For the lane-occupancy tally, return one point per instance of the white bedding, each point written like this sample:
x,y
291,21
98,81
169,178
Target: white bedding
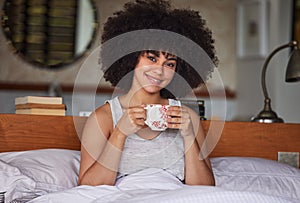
x,y
50,175
155,185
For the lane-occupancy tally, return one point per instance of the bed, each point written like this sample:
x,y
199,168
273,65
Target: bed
x,y
39,162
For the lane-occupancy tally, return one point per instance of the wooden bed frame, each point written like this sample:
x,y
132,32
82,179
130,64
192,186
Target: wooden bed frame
x,y
27,132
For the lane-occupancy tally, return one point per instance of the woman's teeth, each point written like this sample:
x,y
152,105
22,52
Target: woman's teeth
x,y
153,80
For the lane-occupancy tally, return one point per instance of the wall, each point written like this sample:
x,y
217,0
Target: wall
x,y
285,96
220,16
240,75
12,69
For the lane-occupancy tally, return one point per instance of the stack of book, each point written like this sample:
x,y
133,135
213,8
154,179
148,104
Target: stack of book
x,y
40,105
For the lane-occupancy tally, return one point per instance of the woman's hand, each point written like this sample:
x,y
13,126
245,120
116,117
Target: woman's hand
x,y
133,119
179,118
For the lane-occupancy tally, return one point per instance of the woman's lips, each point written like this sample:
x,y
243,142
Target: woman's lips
x,y
153,80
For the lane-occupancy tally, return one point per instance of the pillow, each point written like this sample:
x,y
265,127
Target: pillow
x,y
37,172
257,175
13,182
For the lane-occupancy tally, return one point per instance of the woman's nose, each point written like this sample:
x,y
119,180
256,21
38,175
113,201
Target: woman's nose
x,y
158,69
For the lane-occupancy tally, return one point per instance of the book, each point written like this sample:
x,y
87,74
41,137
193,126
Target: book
x,y
38,100
35,111
40,106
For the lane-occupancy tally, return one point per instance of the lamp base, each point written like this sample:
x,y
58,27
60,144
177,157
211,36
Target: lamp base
x,y
267,116
267,120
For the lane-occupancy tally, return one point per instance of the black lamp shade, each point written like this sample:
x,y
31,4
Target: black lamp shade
x,y
293,67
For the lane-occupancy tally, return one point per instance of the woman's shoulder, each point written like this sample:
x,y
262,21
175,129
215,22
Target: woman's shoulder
x,y
103,111
102,118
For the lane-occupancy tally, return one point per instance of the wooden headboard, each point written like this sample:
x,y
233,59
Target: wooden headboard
x,y
27,132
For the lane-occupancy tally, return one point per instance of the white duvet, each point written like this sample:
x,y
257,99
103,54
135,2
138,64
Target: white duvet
x,y
50,175
156,185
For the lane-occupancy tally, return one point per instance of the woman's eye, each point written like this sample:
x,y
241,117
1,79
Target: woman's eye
x,y
171,65
151,58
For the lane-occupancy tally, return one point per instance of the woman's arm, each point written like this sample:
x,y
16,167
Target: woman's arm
x,y
97,166
198,169
102,145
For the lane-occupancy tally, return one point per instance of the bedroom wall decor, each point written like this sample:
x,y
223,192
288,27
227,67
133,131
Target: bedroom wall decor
x,y
252,28
49,34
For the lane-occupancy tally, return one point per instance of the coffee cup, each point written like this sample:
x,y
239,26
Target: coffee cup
x,y
157,118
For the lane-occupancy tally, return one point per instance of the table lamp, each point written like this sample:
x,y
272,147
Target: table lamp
x,y
267,115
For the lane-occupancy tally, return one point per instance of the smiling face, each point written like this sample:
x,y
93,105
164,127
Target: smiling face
x,y
154,71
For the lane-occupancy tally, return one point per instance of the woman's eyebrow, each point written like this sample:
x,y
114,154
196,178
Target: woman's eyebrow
x,y
172,58
156,53
167,55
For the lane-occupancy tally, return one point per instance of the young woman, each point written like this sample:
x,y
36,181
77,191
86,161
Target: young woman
x,y
116,142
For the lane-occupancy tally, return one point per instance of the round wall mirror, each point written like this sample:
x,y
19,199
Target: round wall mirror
x,y
50,33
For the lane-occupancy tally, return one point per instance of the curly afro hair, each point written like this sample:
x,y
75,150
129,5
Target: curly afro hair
x,y
158,14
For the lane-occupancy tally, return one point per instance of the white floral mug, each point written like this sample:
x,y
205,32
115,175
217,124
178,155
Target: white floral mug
x,y
157,118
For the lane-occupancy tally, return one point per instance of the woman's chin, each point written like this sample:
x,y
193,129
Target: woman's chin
x,y
152,89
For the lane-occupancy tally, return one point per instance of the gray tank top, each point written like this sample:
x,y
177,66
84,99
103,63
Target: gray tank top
x,y
166,151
